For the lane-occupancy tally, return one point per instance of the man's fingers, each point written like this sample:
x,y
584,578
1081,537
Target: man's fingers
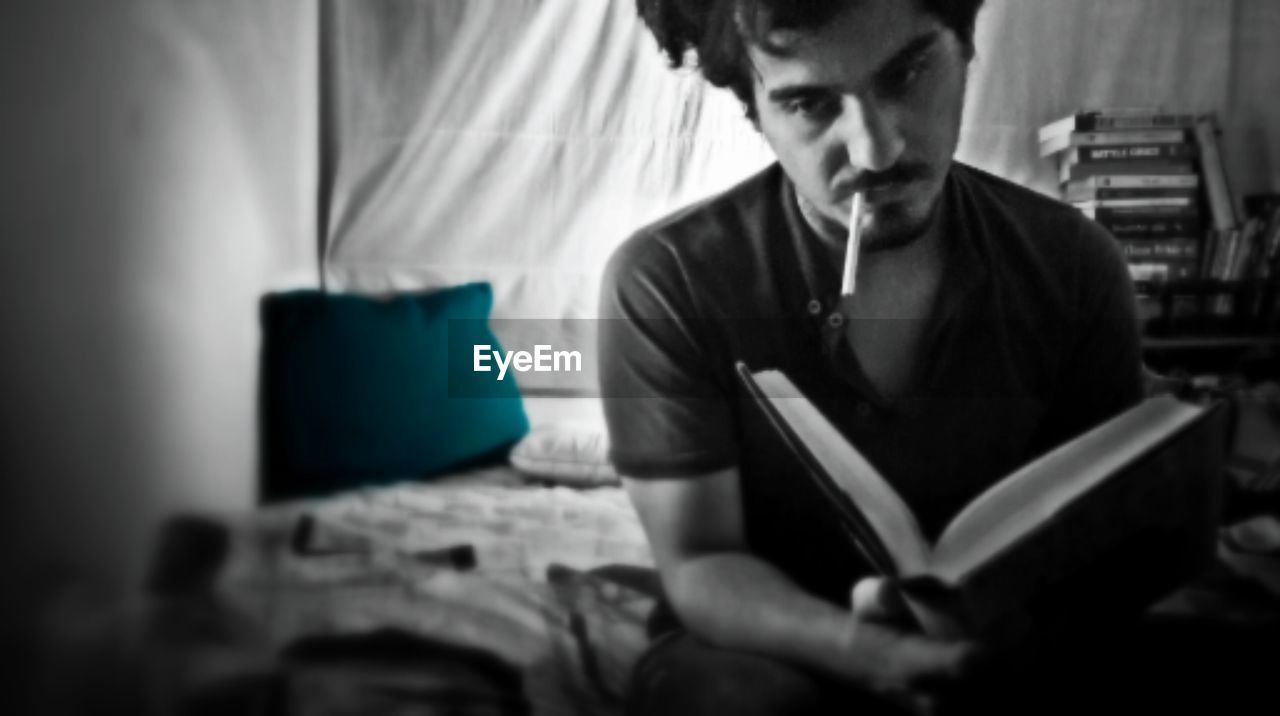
x,y
877,599
923,705
914,661
934,662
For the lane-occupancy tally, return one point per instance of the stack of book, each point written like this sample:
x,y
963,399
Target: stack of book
x,y
1141,174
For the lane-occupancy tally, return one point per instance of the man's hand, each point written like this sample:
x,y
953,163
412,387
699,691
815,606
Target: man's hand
x,y
888,655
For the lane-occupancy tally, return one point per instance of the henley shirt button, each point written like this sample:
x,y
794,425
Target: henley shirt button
x,y
835,320
815,307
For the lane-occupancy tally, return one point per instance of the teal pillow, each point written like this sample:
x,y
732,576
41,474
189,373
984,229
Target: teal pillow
x,y
359,390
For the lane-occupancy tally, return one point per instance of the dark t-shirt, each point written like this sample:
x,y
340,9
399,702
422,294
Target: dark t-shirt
x,y
1032,340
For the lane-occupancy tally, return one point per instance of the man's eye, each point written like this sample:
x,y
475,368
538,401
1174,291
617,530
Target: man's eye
x,y
904,77
811,107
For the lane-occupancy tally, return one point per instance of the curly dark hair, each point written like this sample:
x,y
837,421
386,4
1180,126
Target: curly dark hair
x,y
713,34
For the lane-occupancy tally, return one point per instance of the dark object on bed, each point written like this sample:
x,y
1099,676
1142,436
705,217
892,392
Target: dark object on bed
x,y
313,538
394,672
358,390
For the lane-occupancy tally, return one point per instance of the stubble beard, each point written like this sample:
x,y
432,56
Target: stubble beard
x,y
891,226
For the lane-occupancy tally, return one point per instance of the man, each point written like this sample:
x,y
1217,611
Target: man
x,y
988,325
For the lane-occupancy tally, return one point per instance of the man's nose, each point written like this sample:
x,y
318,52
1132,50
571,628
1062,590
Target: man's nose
x,y
870,135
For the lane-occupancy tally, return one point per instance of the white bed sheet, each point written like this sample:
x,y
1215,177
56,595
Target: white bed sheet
x,y
506,605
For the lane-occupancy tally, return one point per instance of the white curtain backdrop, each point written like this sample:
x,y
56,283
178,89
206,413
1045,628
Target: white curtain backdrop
x,y
514,141
1041,59
518,141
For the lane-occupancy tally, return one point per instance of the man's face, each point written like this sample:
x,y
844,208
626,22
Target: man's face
x,y
869,102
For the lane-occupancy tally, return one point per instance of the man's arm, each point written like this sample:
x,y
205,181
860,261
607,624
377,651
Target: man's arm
x,y
734,600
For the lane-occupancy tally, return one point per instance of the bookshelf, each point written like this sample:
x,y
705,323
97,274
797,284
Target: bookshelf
x,y
1210,308
1230,342
1207,276
1212,326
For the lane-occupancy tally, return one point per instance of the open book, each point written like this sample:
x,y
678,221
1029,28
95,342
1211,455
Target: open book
x,y
1111,521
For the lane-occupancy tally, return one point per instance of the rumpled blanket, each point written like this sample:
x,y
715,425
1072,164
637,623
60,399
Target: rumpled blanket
x,y
555,582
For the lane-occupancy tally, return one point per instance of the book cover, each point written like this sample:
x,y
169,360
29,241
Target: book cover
x,y
1132,504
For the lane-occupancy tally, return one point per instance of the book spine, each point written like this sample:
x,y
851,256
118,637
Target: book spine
x,y
1241,266
1156,202
1227,244
1108,215
1272,243
1075,171
1138,181
1105,192
1150,227
1163,271
1160,249
1221,206
1098,139
1141,136
1100,121
1209,252
1132,152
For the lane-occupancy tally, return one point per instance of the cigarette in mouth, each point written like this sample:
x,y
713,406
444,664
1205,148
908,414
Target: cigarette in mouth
x,y
849,284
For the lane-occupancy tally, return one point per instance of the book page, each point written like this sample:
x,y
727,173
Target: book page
x,y
883,508
1035,493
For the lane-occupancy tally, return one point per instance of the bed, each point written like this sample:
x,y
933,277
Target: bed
x,y
520,585
551,584
424,543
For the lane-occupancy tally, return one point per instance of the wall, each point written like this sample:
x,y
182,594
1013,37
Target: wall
x,y
1251,127
158,164
1043,59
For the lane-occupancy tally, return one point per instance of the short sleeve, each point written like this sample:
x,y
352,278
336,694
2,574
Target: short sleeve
x,y
667,414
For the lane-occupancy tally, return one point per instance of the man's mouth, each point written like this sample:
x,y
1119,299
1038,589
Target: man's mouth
x,y
882,193
892,191
891,185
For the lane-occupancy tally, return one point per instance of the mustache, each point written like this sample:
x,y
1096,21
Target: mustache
x,y
896,174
